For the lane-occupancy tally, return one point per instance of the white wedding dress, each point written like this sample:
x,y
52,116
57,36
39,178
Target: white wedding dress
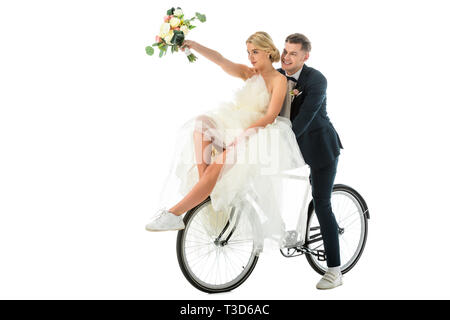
x,y
253,170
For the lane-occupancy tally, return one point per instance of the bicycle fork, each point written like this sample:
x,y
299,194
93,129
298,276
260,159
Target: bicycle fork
x,y
218,241
233,225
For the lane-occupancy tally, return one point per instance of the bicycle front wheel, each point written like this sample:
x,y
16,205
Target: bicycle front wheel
x,y
351,214
213,253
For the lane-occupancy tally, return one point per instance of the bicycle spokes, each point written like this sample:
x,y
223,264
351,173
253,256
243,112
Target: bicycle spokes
x,y
349,212
216,252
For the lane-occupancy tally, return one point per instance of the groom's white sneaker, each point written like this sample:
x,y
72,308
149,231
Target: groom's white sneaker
x,y
330,280
165,221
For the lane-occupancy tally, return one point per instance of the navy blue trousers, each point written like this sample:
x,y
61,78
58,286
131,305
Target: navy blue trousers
x,y
322,180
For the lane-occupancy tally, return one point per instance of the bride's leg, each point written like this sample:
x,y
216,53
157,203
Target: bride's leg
x,y
203,188
201,144
204,132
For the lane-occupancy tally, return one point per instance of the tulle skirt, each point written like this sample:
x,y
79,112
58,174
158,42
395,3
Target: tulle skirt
x,y
250,177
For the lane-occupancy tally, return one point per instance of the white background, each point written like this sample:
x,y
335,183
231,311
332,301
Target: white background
x,y
87,122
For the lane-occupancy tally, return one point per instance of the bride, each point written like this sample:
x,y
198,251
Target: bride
x,y
237,148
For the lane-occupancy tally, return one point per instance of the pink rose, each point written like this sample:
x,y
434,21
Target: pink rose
x,y
166,19
177,28
158,39
295,93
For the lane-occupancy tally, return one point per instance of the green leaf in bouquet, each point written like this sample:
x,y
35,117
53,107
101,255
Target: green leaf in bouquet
x,y
192,58
170,11
149,50
200,17
161,52
172,48
178,37
191,27
155,44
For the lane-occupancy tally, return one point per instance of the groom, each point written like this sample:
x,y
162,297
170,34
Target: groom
x,y
318,141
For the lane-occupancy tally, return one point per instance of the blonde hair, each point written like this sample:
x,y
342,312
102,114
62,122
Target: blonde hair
x,y
263,41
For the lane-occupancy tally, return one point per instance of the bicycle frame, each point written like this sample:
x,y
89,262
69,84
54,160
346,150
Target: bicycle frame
x,y
301,222
303,214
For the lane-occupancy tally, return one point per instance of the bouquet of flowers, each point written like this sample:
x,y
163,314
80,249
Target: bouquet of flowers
x,y
173,31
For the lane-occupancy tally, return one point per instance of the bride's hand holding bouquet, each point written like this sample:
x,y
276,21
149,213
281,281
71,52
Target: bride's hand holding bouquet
x,y
173,31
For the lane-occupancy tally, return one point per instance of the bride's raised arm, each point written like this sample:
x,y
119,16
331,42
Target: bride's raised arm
x,y
234,69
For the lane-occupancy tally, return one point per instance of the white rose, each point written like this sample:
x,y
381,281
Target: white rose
x,y
185,29
168,37
178,13
164,30
175,22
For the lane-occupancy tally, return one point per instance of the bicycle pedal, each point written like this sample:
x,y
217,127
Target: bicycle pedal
x,y
321,256
290,239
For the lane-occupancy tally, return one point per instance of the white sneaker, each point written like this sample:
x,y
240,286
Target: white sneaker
x,y
330,280
165,221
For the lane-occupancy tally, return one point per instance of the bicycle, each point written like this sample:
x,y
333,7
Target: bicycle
x,y
214,258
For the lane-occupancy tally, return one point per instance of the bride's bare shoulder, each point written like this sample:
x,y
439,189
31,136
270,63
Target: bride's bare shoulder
x,y
279,77
276,80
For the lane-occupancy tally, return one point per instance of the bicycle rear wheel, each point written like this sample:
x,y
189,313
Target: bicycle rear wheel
x,y
351,214
212,252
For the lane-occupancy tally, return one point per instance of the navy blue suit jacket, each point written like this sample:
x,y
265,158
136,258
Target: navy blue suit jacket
x,y
318,140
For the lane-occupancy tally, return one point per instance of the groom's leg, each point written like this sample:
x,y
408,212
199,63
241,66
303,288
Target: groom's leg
x,y
322,181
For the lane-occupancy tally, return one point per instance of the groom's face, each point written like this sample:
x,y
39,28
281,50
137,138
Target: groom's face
x,y
293,57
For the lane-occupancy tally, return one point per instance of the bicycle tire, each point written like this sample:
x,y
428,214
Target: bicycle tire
x,y
185,270
341,187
